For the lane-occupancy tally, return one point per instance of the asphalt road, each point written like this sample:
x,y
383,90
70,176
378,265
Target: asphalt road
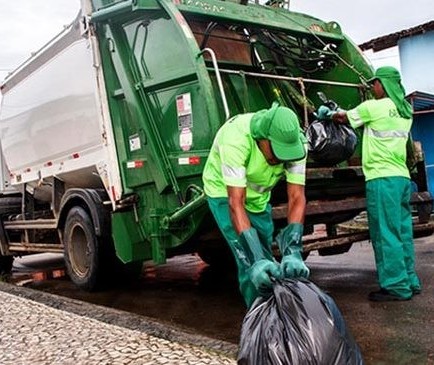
x,y
187,293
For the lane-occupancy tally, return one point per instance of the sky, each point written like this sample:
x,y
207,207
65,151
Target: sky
x,y
364,20
26,25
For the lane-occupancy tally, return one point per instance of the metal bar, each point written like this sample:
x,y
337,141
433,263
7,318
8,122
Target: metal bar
x,y
424,112
35,247
184,212
324,242
32,224
57,194
336,241
219,80
288,78
4,247
317,207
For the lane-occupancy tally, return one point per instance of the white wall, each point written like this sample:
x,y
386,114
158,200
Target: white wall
x,y
386,57
417,66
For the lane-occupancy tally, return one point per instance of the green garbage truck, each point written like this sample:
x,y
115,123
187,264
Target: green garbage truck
x,y
105,131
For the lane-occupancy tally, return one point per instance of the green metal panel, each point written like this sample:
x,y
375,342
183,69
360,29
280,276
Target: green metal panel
x,y
145,81
128,238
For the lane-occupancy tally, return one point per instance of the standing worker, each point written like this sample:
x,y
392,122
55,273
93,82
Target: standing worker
x,y
250,154
387,121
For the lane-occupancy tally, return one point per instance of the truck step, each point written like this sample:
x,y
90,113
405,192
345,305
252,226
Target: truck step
x,y
31,224
35,247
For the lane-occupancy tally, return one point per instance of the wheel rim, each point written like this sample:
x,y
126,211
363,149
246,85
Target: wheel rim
x,y
79,253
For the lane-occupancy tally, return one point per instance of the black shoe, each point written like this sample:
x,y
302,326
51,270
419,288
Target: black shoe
x,y
383,295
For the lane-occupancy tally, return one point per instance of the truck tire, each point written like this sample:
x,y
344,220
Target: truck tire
x,y
82,250
6,263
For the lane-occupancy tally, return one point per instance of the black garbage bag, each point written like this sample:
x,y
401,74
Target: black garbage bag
x,y
330,143
300,325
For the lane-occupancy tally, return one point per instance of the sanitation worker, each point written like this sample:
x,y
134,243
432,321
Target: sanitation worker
x,y
250,154
386,125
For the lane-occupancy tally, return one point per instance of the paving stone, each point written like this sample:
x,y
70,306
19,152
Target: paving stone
x,y
36,334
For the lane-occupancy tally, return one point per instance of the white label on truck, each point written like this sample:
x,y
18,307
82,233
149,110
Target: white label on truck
x,y
135,164
186,139
184,112
134,142
192,160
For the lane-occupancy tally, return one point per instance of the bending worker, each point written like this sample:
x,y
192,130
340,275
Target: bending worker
x,y
250,154
386,121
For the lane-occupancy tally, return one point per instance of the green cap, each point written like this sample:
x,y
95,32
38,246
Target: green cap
x,y
390,78
386,72
281,127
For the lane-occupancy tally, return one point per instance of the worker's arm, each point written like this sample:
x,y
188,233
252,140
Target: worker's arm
x,y
340,117
237,210
262,269
289,239
296,203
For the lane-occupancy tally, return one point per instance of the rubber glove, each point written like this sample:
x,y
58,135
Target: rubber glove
x,y
325,113
290,244
262,269
261,274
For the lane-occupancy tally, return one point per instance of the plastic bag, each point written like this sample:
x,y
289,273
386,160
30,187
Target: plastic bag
x,y
330,143
298,324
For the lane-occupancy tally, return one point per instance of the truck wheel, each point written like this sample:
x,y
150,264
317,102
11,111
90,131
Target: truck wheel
x,y
82,250
6,263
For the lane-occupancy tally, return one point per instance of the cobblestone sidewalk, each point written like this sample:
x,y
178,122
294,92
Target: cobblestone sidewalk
x,y
32,333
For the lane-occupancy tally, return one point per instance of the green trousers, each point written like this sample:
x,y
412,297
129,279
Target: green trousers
x,y
262,222
391,231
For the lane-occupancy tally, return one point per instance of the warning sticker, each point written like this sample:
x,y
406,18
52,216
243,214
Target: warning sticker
x,y
184,112
186,139
134,142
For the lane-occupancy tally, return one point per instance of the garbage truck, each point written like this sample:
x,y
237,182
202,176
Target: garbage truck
x,y
105,131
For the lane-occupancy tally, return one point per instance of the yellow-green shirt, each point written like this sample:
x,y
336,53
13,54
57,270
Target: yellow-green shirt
x,y
385,135
236,160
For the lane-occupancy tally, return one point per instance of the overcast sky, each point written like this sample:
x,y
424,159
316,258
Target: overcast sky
x,y
26,25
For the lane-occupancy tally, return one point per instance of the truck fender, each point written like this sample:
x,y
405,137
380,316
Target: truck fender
x,y
92,201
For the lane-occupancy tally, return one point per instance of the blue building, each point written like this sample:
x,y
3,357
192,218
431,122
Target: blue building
x,y
416,50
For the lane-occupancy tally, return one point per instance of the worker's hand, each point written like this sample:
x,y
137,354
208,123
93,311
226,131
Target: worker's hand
x,y
325,113
293,266
290,244
261,274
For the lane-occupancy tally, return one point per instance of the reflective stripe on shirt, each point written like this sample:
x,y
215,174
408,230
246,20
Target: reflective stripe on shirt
x,y
296,169
355,116
386,134
258,188
234,172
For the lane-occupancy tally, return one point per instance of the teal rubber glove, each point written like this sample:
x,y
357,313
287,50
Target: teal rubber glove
x,y
324,113
262,270
290,244
251,245
261,274
293,266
